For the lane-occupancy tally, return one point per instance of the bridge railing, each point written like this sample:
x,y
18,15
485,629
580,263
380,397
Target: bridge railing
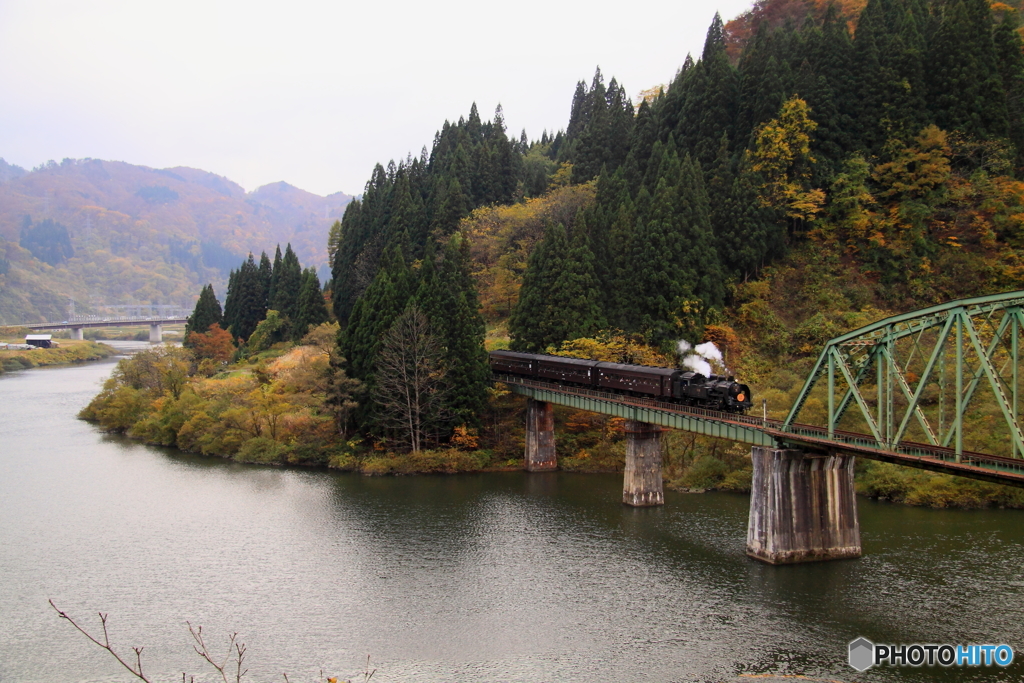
x,y
693,411
777,429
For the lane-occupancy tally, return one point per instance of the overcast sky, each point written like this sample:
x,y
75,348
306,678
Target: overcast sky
x,y
313,93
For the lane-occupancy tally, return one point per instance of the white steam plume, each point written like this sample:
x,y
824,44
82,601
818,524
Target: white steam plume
x,y
698,360
697,364
709,351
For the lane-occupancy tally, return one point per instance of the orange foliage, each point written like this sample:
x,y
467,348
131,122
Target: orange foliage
x,y
214,344
726,339
778,12
465,439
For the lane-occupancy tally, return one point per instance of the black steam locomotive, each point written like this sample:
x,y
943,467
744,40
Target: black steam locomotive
x,y
716,392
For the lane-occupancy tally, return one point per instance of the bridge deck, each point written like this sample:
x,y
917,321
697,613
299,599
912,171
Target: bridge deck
x,y
767,432
104,322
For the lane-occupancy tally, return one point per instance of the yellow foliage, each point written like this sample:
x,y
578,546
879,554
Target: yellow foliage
x,y
562,177
782,155
465,438
916,170
613,346
502,237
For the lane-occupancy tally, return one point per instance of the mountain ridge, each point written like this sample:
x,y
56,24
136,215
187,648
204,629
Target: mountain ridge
x,y
184,226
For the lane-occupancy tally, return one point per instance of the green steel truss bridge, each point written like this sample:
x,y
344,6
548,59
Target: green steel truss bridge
x,y
938,389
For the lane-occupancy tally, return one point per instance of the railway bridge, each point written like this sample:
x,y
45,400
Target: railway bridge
x,y
898,390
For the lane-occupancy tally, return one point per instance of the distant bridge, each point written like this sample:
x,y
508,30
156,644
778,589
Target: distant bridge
x,y
78,324
911,380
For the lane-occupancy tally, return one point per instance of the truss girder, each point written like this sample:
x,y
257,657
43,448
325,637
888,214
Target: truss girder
x,y
960,330
744,433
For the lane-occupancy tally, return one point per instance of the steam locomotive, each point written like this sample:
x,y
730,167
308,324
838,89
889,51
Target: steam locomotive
x,y
716,392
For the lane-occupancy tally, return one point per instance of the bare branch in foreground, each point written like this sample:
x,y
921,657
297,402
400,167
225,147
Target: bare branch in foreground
x,y
204,652
137,671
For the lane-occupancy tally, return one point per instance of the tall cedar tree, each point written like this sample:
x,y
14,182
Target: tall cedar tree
x,y
965,88
266,277
461,329
597,139
373,314
535,323
471,163
287,286
312,310
275,272
206,313
246,302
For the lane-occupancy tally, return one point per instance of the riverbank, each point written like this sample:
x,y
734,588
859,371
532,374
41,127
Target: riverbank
x,y
69,351
277,408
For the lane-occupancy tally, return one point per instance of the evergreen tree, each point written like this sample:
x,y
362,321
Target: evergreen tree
x,y
312,310
471,163
1010,55
275,273
375,311
714,99
759,85
530,325
247,297
286,289
206,313
576,300
462,329
231,302
657,292
965,88
748,235
698,256
618,285
266,277
641,142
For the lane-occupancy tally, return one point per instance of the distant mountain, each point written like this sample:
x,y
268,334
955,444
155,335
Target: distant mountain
x,y
115,233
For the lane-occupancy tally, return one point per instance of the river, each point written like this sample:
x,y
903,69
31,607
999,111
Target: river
x,y
491,577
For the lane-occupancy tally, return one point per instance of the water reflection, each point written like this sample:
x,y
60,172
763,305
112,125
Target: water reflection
x,y
504,577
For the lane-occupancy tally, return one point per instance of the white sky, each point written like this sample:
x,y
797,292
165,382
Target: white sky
x,y
313,93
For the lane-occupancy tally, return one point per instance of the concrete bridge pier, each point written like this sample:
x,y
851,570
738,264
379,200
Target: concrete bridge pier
x,y
540,436
641,483
76,333
803,507
156,333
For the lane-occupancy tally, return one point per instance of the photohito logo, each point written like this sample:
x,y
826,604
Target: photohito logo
x,y
864,654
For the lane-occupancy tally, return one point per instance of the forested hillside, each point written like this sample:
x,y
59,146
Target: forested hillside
x,y
816,168
817,165
110,232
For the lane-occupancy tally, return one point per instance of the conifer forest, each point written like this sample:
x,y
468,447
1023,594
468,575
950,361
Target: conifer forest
x,y
816,167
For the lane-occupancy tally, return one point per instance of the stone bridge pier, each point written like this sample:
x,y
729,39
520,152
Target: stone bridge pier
x,y
803,507
76,333
156,333
540,436
641,481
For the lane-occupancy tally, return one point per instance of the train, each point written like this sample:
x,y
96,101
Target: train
x,y
686,387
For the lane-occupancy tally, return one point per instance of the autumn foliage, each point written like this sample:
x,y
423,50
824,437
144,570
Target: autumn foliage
x,y
215,344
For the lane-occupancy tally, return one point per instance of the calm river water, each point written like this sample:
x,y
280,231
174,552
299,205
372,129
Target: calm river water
x,y
496,577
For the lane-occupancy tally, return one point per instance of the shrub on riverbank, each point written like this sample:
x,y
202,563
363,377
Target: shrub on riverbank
x,y
931,489
439,461
70,351
274,407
